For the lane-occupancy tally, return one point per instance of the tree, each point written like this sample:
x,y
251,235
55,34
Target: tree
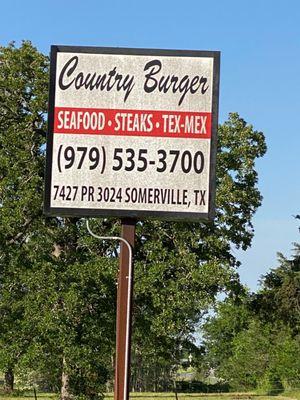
x,y
181,267
230,317
254,342
286,363
278,304
279,298
47,302
73,313
23,93
250,357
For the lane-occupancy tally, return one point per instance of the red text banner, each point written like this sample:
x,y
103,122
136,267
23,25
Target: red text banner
x,y
175,124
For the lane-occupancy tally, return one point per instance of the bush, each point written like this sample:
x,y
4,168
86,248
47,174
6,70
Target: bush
x,y
201,387
270,384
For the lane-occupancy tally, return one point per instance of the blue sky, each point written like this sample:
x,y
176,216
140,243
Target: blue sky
x,y
260,66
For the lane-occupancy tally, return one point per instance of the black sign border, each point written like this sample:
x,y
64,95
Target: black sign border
x,y
138,214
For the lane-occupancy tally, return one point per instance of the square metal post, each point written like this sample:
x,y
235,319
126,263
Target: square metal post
x,y
124,300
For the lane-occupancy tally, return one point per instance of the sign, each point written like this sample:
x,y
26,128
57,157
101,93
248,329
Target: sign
x,y
132,133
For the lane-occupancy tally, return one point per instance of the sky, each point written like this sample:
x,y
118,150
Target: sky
x,y
259,42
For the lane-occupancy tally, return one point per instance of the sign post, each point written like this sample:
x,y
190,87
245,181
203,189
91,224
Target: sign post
x,y
124,301
132,134
124,306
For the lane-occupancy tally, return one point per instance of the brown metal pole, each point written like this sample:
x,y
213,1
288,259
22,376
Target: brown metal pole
x,y
123,341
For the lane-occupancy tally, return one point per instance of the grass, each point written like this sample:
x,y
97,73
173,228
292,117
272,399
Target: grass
x,y
292,394
27,395
166,396
210,396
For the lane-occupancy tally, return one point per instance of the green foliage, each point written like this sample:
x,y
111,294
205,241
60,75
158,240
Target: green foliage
x,y
250,357
286,362
278,300
231,317
180,267
253,341
23,93
57,297
71,313
270,384
237,194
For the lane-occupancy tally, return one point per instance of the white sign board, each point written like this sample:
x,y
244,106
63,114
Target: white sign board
x,y
132,133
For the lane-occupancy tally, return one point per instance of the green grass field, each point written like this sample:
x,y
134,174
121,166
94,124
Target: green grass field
x,y
169,396
28,395
219,396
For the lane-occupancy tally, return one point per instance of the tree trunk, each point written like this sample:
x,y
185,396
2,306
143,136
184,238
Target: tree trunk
x,y
9,381
65,382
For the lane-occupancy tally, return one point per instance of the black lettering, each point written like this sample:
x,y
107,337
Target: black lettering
x,y
164,84
174,80
155,66
127,195
184,87
178,197
91,81
203,81
173,201
150,195
164,195
79,80
91,193
173,83
142,196
156,196
128,86
68,69
194,83
84,191
100,81
133,195
185,195
111,74
202,195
